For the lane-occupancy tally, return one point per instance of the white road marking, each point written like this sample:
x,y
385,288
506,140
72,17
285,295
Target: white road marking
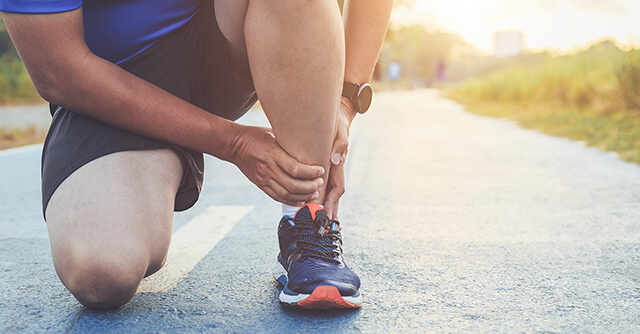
x,y
191,243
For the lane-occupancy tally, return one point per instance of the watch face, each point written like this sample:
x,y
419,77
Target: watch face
x,y
365,96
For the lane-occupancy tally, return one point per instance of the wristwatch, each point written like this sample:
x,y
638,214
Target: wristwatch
x,y
360,95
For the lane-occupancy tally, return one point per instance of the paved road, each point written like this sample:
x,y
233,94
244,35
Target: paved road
x,y
455,223
19,117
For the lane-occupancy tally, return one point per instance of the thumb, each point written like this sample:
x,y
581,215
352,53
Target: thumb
x,y
340,146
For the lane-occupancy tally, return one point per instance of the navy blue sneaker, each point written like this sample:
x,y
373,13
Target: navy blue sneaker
x,y
310,264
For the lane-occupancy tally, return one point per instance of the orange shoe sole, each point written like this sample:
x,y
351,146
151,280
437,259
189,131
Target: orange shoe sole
x,y
325,297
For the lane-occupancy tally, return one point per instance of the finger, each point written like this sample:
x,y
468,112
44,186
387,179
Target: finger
x,y
331,203
334,211
285,195
296,186
271,193
296,169
340,145
331,206
335,189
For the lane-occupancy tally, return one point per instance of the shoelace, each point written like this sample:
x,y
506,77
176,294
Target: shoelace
x,y
315,244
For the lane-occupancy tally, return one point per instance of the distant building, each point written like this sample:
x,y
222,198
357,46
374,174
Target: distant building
x,y
507,43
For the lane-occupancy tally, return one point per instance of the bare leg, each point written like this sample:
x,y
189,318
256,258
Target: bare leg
x,y
296,51
110,224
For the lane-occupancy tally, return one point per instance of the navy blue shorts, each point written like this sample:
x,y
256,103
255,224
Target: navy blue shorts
x,y
192,64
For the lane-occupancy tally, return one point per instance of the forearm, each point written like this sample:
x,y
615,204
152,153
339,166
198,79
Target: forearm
x,y
101,90
365,23
65,72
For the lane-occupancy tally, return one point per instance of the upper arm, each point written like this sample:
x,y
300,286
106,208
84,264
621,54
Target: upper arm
x,y
48,44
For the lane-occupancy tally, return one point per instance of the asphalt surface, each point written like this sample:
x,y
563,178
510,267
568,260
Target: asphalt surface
x,y
454,222
20,117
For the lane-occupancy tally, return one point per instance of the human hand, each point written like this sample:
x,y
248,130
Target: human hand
x,y
336,182
335,189
257,154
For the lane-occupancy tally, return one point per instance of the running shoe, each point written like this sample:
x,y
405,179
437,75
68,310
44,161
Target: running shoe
x,y
310,264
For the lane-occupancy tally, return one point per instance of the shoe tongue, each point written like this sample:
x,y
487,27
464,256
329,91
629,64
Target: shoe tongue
x,y
308,211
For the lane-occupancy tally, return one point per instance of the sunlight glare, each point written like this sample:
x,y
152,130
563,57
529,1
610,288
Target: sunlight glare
x,y
562,25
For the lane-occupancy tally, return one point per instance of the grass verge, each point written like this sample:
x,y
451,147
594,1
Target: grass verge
x,y
592,96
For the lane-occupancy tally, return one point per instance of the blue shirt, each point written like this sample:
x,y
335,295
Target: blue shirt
x,y
117,29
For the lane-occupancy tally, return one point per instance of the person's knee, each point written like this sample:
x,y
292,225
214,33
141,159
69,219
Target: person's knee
x,y
100,279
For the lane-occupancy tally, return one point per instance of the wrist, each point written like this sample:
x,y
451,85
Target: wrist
x,y
360,95
347,106
230,150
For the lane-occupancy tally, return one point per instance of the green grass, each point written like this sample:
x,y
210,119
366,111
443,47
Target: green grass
x,y
592,96
15,83
16,88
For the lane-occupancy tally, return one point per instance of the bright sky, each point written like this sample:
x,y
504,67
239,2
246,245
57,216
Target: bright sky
x,y
547,24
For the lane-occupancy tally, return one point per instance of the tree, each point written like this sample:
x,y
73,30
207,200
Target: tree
x,y
418,50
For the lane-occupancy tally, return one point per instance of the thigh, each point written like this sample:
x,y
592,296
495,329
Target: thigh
x,y
226,84
230,15
119,206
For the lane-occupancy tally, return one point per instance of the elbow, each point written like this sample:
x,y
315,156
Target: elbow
x,y
58,82
49,87
44,88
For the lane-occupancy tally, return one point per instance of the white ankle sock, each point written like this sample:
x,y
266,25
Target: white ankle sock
x,y
290,210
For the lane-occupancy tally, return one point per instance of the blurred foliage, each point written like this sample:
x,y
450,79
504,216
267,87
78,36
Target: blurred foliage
x,y
592,96
15,84
7,51
475,65
603,77
629,78
418,50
